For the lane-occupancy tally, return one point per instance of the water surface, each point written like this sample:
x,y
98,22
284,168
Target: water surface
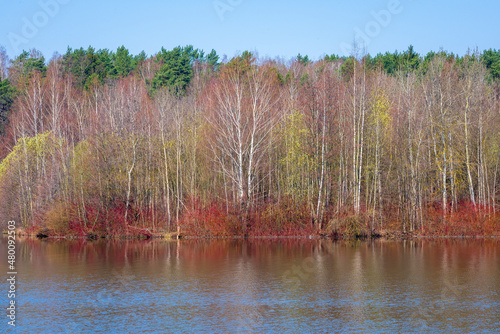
x,y
256,286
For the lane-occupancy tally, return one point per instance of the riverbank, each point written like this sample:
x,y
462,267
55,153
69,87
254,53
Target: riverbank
x,y
215,222
146,234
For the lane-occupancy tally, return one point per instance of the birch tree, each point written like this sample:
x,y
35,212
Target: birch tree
x,y
243,112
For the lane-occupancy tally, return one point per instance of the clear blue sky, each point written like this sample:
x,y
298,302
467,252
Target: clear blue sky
x,y
281,28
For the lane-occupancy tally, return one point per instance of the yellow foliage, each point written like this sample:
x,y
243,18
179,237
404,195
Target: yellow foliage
x,y
380,106
296,160
57,218
34,147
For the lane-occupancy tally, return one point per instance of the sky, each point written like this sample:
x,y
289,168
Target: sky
x,y
272,29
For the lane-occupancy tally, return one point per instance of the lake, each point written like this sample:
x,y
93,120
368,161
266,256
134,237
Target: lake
x,y
261,285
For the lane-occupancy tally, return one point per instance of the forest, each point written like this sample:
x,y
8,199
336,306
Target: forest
x,y
103,143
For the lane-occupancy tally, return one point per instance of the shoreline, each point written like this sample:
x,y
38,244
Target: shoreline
x,y
174,236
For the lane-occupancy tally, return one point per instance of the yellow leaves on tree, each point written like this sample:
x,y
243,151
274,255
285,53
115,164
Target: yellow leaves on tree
x,y
379,116
296,162
25,175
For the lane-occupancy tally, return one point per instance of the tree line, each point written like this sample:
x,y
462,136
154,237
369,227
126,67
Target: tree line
x,y
112,143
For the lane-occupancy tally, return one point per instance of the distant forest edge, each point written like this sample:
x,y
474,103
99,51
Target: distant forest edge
x,y
103,143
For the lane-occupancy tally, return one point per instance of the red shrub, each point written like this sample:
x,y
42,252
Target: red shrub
x,y
212,220
284,218
464,220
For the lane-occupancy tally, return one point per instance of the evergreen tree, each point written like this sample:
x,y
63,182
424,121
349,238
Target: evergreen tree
x,y
409,60
139,59
491,59
388,61
193,54
175,71
212,59
75,64
108,69
304,60
333,57
23,66
243,63
123,61
6,99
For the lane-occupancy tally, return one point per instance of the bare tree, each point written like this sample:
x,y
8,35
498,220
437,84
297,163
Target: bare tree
x,y
243,114
165,104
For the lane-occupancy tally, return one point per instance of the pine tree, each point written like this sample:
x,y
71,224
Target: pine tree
x,y
6,99
175,72
123,62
